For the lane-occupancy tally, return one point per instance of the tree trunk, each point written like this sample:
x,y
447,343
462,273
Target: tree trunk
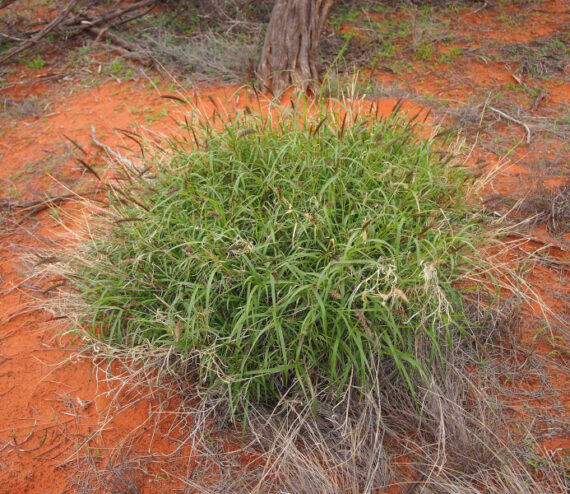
x,y
290,49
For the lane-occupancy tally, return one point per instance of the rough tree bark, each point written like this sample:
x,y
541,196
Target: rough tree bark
x,y
289,54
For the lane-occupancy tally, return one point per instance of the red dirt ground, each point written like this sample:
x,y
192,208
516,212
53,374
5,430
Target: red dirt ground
x,y
51,399
53,402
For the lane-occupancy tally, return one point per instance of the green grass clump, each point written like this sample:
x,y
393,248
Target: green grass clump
x,y
36,63
287,252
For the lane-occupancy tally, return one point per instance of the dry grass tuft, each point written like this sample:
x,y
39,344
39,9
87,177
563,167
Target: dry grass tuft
x,y
21,108
548,206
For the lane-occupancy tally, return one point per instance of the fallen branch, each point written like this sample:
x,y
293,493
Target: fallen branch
x,y
38,36
33,81
76,26
562,264
133,17
35,206
514,120
5,3
548,245
85,22
43,205
9,204
133,51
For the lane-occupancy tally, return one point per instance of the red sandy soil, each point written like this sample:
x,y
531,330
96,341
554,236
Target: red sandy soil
x,y
53,402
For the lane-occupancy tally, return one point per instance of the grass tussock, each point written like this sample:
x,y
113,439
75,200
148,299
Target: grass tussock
x,y
311,269
288,252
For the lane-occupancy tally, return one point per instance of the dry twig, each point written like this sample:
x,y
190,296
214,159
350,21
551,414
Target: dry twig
x,y
514,120
39,35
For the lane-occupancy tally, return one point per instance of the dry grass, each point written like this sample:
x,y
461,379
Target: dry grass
x,y
540,204
457,442
205,41
541,57
21,108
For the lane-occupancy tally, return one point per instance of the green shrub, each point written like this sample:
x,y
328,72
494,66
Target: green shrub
x,y
287,252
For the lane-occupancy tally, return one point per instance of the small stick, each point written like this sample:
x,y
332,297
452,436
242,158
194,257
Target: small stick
x,y
110,151
483,7
512,119
538,241
518,79
27,437
539,98
35,202
562,264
